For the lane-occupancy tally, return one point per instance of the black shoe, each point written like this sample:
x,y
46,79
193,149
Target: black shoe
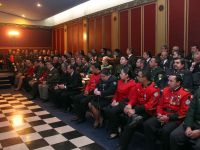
x,y
75,119
96,125
80,121
113,135
119,147
45,100
136,120
32,97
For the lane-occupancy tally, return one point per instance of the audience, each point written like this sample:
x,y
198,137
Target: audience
x,y
128,94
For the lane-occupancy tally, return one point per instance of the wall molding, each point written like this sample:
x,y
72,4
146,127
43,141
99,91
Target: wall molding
x,y
3,48
118,8
25,26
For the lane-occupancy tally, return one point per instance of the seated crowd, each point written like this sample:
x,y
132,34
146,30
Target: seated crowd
x,y
156,96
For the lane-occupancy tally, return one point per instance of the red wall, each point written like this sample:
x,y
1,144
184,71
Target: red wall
x,y
176,23
107,31
194,23
142,31
99,33
123,28
136,30
29,37
150,27
58,39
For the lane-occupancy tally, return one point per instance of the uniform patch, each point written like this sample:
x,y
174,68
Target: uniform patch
x,y
186,90
114,83
187,102
160,76
156,86
155,94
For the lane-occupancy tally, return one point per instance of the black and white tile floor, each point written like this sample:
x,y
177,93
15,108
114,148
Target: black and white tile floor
x,y
24,125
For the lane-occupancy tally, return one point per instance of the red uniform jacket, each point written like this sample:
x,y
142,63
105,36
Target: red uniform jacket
x,y
123,89
94,80
144,98
29,72
42,76
174,103
12,59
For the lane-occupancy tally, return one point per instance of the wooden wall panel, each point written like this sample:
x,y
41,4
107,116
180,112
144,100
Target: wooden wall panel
x,y
150,27
53,39
62,40
80,35
91,33
98,31
136,30
107,31
123,28
176,23
58,39
75,38
69,38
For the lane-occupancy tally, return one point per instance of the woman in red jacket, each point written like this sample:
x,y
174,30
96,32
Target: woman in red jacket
x,y
124,86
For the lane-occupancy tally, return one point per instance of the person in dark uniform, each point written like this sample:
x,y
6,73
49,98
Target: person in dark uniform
x,y
121,95
165,60
70,88
188,133
195,69
157,73
142,105
171,110
81,101
105,88
131,58
58,89
140,65
124,63
147,57
179,68
190,56
50,81
38,78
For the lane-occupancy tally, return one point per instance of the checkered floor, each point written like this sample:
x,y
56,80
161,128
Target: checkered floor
x,y
26,126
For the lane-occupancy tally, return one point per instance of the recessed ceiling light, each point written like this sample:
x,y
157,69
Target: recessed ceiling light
x,y
39,5
23,16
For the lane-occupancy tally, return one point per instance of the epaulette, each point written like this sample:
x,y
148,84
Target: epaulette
x,y
156,86
160,76
186,90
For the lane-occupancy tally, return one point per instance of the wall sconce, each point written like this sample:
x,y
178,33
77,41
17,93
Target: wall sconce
x,y
161,7
13,33
84,36
114,18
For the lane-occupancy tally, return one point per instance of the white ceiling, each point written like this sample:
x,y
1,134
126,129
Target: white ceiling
x,y
80,9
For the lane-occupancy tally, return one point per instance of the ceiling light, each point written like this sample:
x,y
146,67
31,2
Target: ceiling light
x,y
1,4
23,16
39,5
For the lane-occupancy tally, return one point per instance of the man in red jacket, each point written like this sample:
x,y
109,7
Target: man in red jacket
x,y
81,101
143,100
171,110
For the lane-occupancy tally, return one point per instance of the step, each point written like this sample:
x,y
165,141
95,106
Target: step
x,y
5,81
5,86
